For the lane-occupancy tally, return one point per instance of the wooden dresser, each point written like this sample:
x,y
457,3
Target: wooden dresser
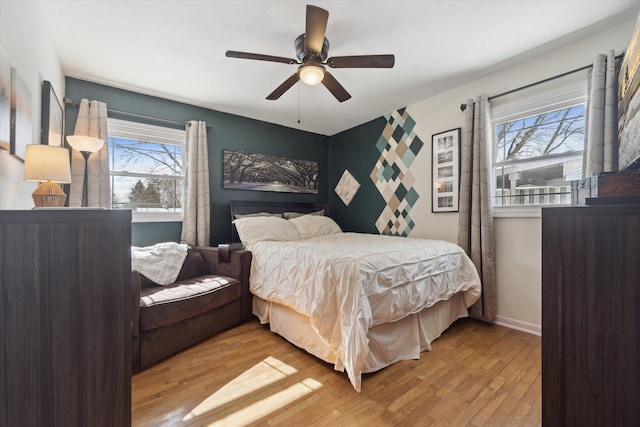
x,y
591,316
65,318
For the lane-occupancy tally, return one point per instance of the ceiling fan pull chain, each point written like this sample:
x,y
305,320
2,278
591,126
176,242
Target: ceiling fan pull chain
x,y
299,104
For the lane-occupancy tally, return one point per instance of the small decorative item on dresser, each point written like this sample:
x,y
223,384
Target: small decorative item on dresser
x,y
581,190
48,165
606,188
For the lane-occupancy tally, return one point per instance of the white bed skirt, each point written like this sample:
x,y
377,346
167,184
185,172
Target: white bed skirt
x,y
388,343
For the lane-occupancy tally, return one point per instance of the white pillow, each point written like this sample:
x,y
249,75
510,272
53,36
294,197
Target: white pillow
x,y
314,225
262,228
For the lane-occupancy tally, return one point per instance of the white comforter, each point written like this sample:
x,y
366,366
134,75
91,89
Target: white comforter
x,y
348,282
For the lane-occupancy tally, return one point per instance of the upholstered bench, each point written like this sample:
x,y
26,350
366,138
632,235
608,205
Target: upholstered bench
x,y
211,294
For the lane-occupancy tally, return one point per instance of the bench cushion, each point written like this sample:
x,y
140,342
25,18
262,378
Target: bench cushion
x,y
166,305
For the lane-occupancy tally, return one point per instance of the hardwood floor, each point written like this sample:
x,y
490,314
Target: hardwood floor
x,y
475,375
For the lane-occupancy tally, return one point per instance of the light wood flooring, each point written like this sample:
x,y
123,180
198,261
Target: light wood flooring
x,y
475,375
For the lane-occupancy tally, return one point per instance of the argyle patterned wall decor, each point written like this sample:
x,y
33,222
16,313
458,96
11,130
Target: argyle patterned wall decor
x,y
398,146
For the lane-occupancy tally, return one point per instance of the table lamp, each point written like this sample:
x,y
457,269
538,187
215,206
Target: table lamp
x,y
48,165
86,145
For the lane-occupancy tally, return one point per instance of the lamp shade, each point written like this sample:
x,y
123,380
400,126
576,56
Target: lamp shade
x,y
311,74
47,163
85,143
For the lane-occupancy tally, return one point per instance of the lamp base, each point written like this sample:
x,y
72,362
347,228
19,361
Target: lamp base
x,y
49,195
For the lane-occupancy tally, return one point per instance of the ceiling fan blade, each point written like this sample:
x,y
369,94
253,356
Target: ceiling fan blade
x,y
285,86
259,57
334,87
362,61
315,29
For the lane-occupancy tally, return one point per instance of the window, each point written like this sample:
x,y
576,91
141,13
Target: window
x,y
538,145
146,169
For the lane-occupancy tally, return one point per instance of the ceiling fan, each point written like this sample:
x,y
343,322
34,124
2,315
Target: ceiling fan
x,y
311,50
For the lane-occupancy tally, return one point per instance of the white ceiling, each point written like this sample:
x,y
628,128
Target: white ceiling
x,y
176,49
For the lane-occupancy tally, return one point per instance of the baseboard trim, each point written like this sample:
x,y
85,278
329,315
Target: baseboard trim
x,y
519,325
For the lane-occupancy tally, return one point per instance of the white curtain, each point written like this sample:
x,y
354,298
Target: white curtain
x,y
92,121
601,146
475,232
195,205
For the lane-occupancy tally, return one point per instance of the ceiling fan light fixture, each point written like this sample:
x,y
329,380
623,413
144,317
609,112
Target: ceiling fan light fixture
x,y
311,74
312,50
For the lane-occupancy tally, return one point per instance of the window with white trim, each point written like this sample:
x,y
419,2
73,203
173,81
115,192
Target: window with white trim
x,y
538,141
146,169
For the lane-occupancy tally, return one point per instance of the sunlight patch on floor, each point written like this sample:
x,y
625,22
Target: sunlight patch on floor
x,y
265,373
254,412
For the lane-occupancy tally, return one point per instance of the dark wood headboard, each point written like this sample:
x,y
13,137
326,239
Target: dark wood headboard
x,y
244,207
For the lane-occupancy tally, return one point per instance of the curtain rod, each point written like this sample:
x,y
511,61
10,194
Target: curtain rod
x,y
142,116
548,79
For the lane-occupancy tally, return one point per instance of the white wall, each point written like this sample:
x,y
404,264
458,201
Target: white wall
x,y
518,240
24,36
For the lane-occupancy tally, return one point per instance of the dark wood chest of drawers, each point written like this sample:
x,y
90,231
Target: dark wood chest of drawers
x,y
591,316
65,322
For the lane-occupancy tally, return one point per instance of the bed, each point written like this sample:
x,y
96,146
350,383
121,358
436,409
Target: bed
x,y
358,301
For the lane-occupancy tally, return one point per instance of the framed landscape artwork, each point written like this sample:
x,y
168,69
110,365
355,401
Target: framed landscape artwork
x,y
262,172
445,172
52,117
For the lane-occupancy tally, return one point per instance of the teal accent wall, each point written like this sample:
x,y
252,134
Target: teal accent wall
x,y
228,132
355,150
149,233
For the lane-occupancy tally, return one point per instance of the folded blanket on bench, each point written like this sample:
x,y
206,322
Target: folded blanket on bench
x,y
160,263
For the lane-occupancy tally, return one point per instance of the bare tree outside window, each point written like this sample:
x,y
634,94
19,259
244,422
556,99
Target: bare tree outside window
x,y
548,133
536,156
146,176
